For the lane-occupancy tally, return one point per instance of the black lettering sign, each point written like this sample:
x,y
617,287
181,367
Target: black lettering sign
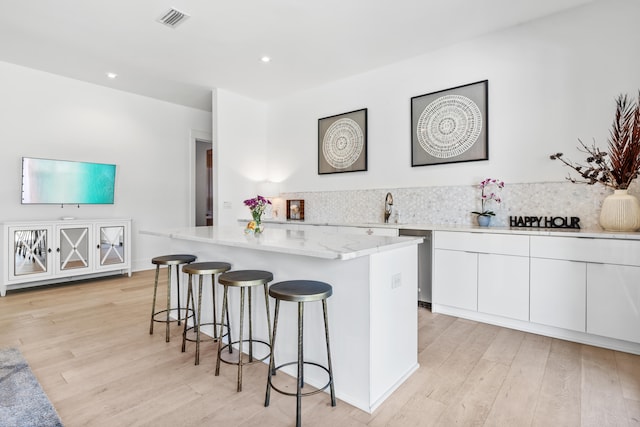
x,y
545,222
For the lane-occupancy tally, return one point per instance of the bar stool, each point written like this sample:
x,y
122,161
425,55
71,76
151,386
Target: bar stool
x,y
201,269
169,261
300,291
244,279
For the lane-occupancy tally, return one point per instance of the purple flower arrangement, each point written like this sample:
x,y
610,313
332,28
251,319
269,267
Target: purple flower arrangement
x,y
257,205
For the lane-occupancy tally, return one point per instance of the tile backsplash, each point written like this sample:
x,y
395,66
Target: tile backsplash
x,y
452,205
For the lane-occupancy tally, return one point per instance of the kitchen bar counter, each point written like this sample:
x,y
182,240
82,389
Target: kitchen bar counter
x,y
313,243
372,313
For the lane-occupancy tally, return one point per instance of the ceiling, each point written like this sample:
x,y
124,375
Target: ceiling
x,y
221,43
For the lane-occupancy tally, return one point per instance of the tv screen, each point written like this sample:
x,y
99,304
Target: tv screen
x,y
48,181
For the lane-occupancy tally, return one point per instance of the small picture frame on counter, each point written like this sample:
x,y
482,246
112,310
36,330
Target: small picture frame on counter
x,y
295,210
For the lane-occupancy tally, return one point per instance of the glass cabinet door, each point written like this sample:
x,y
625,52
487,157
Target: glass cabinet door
x,y
73,250
30,250
111,245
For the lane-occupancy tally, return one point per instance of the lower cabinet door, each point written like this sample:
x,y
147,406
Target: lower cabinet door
x,y
455,279
613,301
503,286
558,293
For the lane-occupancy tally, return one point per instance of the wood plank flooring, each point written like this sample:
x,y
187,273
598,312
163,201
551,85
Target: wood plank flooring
x,y
89,346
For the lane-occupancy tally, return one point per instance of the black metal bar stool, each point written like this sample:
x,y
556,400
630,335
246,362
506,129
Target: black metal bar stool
x,y
169,261
300,291
244,279
201,269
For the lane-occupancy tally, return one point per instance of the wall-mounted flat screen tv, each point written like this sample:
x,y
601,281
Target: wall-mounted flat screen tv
x,y
61,182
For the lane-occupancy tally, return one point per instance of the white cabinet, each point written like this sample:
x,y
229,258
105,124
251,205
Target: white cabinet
x,y
587,285
503,285
558,293
613,301
36,253
488,273
586,289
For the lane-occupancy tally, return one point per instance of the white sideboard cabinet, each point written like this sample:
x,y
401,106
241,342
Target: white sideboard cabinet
x,y
35,253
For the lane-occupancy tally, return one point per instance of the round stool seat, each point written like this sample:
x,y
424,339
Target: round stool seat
x,y
206,267
301,290
245,278
173,259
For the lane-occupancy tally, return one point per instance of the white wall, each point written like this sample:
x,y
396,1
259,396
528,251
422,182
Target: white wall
x,y
241,128
550,82
44,115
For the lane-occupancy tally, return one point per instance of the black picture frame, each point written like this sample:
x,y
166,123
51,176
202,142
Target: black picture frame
x,y
342,143
450,125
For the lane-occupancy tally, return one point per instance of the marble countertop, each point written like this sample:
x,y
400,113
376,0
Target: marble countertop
x,y
560,232
309,242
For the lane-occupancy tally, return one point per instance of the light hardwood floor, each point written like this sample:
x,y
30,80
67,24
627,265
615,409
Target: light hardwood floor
x,y
88,344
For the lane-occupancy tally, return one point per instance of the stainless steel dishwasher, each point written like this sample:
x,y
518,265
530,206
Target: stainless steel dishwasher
x,y
424,265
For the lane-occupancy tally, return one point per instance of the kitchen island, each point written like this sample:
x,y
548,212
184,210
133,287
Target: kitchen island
x,y
372,312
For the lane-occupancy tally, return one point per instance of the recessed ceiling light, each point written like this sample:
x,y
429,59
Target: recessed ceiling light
x,y
265,59
112,75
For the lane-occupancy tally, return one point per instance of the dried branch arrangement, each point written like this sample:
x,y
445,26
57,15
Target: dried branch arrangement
x,y
621,165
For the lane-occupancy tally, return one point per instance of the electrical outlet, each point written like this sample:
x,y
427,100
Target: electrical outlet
x,y
396,280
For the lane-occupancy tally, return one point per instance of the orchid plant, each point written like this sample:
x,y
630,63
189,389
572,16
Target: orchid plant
x,y
489,191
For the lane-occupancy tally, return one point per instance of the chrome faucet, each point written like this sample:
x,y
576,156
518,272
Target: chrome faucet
x,y
388,205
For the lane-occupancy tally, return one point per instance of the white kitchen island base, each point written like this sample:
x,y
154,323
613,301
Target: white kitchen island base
x,y
372,312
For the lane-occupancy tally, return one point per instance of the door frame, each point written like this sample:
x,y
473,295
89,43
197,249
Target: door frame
x,y
194,137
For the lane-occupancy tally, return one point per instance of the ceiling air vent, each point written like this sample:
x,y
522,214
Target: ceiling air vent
x,y
172,18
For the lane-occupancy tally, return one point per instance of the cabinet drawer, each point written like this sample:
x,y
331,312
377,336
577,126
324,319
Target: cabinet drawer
x,y
603,251
490,243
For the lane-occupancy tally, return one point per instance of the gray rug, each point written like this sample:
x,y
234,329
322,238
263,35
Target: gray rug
x,y
23,403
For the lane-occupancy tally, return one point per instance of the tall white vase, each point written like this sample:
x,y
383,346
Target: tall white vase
x,y
620,212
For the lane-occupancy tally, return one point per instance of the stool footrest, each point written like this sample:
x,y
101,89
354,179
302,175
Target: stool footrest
x,y
191,330
309,393
230,362
179,319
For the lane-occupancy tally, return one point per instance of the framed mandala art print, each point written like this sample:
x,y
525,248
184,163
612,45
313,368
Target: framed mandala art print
x,y
450,126
342,142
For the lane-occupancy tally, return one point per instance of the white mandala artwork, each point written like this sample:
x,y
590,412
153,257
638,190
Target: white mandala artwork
x,y
343,143
449,126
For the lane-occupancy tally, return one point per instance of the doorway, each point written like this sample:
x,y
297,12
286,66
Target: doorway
x,y
204,183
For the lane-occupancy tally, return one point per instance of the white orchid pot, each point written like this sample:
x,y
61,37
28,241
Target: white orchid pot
x,y
620,212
